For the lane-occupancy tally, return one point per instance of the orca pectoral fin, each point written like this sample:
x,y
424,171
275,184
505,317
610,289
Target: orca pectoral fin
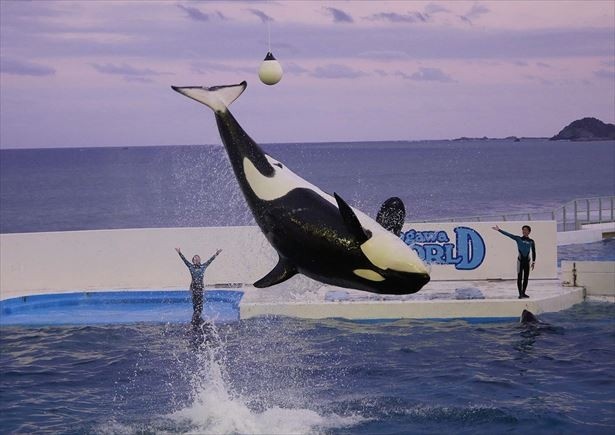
x,y
280,273
351,220
392,215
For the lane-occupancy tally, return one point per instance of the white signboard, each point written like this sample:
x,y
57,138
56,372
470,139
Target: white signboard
x,y
474,250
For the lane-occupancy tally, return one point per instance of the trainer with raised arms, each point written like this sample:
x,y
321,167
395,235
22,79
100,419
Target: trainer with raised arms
x,y
197,272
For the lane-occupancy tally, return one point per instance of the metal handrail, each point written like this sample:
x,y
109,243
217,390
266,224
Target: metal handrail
x,y
570,216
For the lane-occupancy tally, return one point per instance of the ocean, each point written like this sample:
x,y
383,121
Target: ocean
x,y
188,186
281,375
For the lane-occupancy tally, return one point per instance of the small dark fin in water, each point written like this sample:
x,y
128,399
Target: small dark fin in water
x,y
351,220
280,273
528,317
392,215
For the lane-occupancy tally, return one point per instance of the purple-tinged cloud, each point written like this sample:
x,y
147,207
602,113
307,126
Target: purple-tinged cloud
x,y
125,70
194,13
336,71
261,15
294,68
543,65
381,73
604,74
476,11
392,17
465,19
434,8
339,16
384,54
431,75
520,63
138,79
24,68
403,75
540,80
210,67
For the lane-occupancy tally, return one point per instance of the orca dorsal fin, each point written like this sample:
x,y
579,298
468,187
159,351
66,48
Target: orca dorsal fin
x,y
351,220
392,215
280,273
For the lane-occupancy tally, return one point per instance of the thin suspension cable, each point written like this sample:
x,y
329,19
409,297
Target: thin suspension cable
x,y
269,35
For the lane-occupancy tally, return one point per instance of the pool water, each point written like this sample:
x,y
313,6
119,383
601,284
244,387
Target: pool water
x,y
281,375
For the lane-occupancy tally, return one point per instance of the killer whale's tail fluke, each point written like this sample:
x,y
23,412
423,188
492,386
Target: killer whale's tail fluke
x,y
217,98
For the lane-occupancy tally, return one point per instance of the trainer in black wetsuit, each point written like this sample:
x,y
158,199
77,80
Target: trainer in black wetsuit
x,y
197,272
525,246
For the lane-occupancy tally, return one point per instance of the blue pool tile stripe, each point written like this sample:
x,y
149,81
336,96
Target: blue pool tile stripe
x,y
117,307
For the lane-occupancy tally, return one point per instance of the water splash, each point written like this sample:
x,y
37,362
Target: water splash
x,y
216,407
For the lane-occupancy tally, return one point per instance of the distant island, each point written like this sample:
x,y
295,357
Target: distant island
x,y
586,129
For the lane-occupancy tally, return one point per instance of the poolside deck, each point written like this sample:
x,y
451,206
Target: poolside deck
x,y
439,300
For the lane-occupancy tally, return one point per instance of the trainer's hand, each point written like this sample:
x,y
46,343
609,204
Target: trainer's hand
x,y
532,265
179,251
496,228
218,251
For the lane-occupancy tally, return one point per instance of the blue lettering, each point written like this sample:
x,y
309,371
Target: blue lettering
x,y
470,248
467,253
450,255
419,251
434,254
442,237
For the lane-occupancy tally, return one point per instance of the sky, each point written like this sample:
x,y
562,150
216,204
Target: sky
x,y
99,73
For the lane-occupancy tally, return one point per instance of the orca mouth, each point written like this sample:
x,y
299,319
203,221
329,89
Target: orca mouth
x,y
423,279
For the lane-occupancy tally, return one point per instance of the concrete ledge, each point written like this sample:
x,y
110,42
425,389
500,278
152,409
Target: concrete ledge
x,y
589,234
598,277
497,300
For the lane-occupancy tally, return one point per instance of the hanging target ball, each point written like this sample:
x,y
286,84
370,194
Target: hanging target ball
x,y
270,71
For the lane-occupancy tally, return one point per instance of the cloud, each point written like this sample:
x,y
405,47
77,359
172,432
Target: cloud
x,y
543,65
384,54
194,13
260,14
294,68
339,16
125,70
474,13
604,74
434,8
540,80
520,63
403,75
431,75
24,68
392,17
209,67
336,71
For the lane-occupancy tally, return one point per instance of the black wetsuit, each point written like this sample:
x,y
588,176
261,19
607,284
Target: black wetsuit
x,y
197,272
525,246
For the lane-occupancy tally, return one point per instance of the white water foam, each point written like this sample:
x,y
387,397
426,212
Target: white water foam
x,y
216,408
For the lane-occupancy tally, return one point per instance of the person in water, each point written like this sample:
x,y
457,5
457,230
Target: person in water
x,y
197,271
525,246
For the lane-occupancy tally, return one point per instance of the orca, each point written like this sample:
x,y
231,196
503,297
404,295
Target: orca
x,y
527,317
314,233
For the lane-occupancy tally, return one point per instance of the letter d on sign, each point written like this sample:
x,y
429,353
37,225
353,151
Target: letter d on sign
x,y
470,248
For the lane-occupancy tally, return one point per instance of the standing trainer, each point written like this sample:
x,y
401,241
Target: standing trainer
x,y
197,272
525,246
